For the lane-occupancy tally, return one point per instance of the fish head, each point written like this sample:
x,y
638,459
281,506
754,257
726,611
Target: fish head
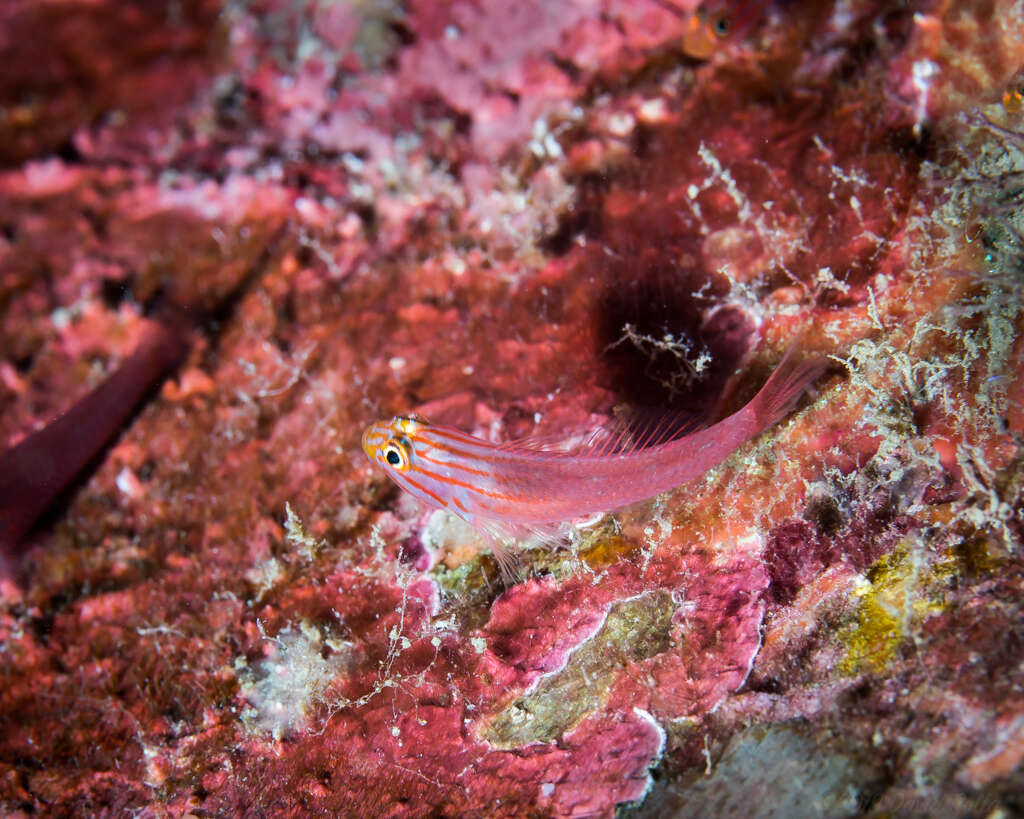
x,y
391,445
716,22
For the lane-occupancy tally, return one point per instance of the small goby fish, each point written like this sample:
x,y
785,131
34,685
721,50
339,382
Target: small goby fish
x,y
716,22
520,486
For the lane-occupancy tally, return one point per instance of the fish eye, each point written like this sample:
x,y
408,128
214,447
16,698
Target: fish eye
x,y
720,24
396,453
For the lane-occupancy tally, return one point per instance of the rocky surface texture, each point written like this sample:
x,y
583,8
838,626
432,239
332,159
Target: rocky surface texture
x,y
512,217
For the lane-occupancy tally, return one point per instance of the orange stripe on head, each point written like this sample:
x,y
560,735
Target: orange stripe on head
x,y
470,448
455,435
421,456
440,501
455,482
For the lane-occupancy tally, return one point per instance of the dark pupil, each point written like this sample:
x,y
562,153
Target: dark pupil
x,y
722,26
393,457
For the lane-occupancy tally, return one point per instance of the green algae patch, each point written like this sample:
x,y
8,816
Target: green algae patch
x,y
900,590
633,631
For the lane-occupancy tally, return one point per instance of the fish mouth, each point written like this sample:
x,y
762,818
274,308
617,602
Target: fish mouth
x,y
373,439
369,447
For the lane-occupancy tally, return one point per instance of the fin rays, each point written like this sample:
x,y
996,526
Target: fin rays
x,y
635,430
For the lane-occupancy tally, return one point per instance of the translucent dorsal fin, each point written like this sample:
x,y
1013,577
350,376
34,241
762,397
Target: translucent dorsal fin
x,y
647,427
631,430
553,442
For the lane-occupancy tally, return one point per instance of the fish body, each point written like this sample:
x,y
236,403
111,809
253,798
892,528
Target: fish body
x,y
520,486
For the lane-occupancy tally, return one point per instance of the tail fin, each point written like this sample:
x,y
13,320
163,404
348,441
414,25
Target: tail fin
x,y
784,388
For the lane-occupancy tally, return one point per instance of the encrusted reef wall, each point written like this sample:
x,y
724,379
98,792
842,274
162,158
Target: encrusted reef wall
x,y
513,218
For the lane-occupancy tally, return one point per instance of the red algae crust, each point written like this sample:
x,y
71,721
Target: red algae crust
x,y
515,218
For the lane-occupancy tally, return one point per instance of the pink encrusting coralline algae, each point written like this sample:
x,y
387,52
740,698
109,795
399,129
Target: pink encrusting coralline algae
x,y
521,220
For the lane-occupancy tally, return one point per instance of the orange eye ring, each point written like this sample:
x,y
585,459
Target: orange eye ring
x,y
395,454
